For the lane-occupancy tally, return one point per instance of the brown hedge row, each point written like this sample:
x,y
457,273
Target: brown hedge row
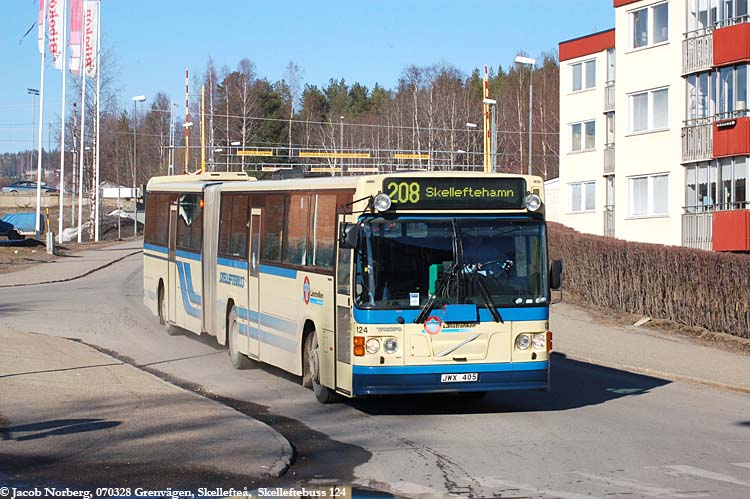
x,y
692,287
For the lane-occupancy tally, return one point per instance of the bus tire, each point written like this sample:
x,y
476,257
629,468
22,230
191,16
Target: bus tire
x,y
160,304
238,359
323,394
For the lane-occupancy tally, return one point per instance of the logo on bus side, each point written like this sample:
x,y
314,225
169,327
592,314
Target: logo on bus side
x,y
433,325
306,291
231,279
311,296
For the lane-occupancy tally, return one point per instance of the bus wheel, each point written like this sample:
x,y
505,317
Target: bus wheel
x,y
312,371
238,359
162,311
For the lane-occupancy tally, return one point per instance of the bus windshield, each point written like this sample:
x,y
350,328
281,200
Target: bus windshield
x,y
488,262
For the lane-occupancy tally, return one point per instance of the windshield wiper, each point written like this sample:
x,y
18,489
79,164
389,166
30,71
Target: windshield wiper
x,y
439,289
479,280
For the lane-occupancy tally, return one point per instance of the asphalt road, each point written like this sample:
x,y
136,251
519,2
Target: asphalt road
x,y
599,433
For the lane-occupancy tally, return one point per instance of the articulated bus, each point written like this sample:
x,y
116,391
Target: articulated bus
x,y
384,284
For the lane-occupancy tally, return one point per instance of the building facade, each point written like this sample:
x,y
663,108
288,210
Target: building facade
x,y
654,122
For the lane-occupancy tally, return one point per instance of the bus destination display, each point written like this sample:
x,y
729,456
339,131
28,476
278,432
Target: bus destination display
x,y
455,193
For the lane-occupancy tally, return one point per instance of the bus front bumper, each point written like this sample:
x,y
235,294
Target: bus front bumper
x,y
391,380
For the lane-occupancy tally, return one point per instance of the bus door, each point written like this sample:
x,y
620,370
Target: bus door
x,y
342,348
172,283
253,289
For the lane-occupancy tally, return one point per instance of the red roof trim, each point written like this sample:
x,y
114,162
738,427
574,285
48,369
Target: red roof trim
x,y
621,3
585,45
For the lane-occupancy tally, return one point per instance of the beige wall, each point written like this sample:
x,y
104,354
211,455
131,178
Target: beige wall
x,y
650,152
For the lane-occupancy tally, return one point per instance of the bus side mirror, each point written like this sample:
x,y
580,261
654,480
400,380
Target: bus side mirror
x,y
555,274
348,236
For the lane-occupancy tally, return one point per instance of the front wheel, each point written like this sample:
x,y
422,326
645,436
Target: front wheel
x,y
239,360
311,373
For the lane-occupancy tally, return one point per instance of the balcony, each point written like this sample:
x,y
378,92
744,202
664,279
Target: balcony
x,y
697,140
697,51
609,221
696,230
609,97
609,159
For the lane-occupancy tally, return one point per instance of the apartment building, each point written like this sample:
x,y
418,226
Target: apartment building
x,y
654,125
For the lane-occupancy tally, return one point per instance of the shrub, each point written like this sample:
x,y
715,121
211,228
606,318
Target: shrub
x,y
692,287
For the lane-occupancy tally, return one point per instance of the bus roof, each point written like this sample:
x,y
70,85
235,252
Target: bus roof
x,y
194,183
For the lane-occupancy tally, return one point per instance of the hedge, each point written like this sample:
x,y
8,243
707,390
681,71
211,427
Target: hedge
x,y
692,287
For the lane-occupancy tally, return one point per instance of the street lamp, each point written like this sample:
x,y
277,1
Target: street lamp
x,y
34,93
136,100
530,62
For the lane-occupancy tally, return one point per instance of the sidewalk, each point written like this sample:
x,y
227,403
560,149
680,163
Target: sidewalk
x,y
68,409
670,356
75,265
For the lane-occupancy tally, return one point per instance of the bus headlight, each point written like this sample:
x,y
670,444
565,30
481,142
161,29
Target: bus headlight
x,y
372,346
539,341
532,202
523,342
381,202
390,345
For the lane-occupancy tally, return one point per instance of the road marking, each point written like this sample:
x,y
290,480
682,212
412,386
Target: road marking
x,y
710,475
744,465
642,487
494,483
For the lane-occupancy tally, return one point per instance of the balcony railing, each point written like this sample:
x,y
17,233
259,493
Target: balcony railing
x,y
697,141
609,221
609,159
698,51
696,230
609,97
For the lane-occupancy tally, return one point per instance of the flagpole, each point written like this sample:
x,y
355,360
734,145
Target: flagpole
x,y
82,152
98,113
61,225
39,148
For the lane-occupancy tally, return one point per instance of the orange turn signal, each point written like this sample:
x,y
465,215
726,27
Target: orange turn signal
x,y
359,341
549,341
359,351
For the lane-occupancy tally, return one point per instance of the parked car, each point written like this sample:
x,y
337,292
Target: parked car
x,y
26,186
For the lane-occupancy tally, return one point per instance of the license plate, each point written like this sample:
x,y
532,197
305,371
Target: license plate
x,y
459,378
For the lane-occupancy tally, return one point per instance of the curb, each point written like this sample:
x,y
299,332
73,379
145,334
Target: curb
x,y
661,374
279,467
89,272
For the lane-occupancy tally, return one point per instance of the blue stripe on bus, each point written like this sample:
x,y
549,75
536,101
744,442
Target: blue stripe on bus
x,y
268,338
280,324
183,289
229,262
364,316
188,255
153,247
452,368
194,297
279,271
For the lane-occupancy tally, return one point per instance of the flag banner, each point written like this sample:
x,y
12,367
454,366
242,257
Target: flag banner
x,y
89,37
54,27
40,25
76,26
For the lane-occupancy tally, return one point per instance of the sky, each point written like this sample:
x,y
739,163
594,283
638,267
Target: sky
x,y
153,42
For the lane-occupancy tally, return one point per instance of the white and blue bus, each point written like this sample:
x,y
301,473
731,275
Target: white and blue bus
x,y
374,285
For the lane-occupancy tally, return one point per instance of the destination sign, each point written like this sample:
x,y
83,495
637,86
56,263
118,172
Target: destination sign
x,y
458,193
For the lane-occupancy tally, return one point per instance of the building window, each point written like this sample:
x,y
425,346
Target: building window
x,y
650,25
649,110
715,13
583,136
582,196
717,185
648,195
583,75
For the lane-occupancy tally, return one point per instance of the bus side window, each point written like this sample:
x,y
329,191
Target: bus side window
x,y
273,228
